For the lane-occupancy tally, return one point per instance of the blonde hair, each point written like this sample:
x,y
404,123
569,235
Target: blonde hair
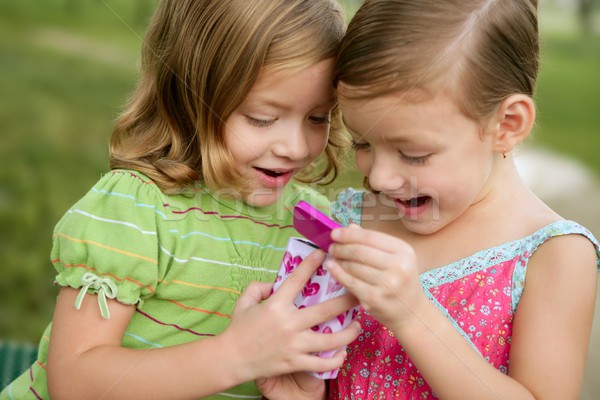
x,y
199,61
481,50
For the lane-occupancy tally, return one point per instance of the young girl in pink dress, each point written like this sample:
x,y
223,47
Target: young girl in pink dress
x,y
471,287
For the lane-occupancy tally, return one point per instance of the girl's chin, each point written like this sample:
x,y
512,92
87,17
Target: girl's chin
x,y
263,197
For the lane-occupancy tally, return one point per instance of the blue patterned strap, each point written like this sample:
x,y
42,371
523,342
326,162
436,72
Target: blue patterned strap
x,y
347,207
564,227
554,229
560,228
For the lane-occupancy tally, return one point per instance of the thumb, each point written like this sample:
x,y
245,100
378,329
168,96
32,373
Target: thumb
x,y
254,293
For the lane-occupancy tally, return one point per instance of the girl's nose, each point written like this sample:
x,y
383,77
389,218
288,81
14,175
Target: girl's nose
x,y
384,175
293,144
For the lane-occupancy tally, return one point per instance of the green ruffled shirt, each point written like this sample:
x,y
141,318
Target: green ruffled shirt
x,y
182,260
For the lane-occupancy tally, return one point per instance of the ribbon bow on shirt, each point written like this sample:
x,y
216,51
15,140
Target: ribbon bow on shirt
x,y
104,287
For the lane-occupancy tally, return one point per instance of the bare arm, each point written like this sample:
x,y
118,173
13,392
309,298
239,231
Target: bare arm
x,y
551,330
86,360
553,323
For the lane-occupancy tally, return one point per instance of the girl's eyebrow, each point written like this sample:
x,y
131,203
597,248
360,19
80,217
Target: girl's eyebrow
x,y
330,103
396,140
269,102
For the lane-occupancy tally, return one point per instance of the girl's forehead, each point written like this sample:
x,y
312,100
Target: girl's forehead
x,y
398,118
419,99
395,105
284,88
274,76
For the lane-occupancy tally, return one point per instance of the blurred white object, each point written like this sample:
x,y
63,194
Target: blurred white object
x,y
551,175
565,184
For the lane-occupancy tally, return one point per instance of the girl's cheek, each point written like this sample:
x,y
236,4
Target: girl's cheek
x,y
363,162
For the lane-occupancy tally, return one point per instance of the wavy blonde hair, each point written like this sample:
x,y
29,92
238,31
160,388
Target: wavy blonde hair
x,y
199,61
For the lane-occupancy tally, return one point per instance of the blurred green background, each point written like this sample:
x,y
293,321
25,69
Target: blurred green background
x,y
67,66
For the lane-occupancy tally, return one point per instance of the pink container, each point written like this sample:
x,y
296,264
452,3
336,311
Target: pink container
x,y
321,287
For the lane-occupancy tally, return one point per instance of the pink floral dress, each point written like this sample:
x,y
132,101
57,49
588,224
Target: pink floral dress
x,y
478,294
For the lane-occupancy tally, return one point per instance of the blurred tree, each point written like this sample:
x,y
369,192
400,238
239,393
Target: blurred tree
x,y
584,11
351,6
143,11
72,6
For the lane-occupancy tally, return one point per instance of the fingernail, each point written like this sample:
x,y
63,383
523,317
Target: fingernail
x,y
317,254
335,234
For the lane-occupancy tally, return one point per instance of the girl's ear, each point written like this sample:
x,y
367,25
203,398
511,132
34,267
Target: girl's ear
x,y
513,122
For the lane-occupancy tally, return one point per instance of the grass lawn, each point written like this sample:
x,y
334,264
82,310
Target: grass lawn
x,y
67,66
568,97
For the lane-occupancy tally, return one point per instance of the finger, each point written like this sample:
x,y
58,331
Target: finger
x,y
294,283
327,310
324,351
354,285
366,263
351,226
360,280
367,237
323,364
326,342
254,293
362,254
308,383
261,384
364,273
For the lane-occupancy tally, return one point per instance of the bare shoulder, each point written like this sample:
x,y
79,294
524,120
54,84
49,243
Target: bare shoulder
x,y
564,267
567,253
553,320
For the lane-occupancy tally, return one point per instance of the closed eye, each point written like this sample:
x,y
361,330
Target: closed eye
x,y
415,160
358,146
260,123
319,120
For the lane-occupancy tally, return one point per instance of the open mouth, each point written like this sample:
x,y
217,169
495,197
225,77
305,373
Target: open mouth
x,y
274,178
415,201
273,174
